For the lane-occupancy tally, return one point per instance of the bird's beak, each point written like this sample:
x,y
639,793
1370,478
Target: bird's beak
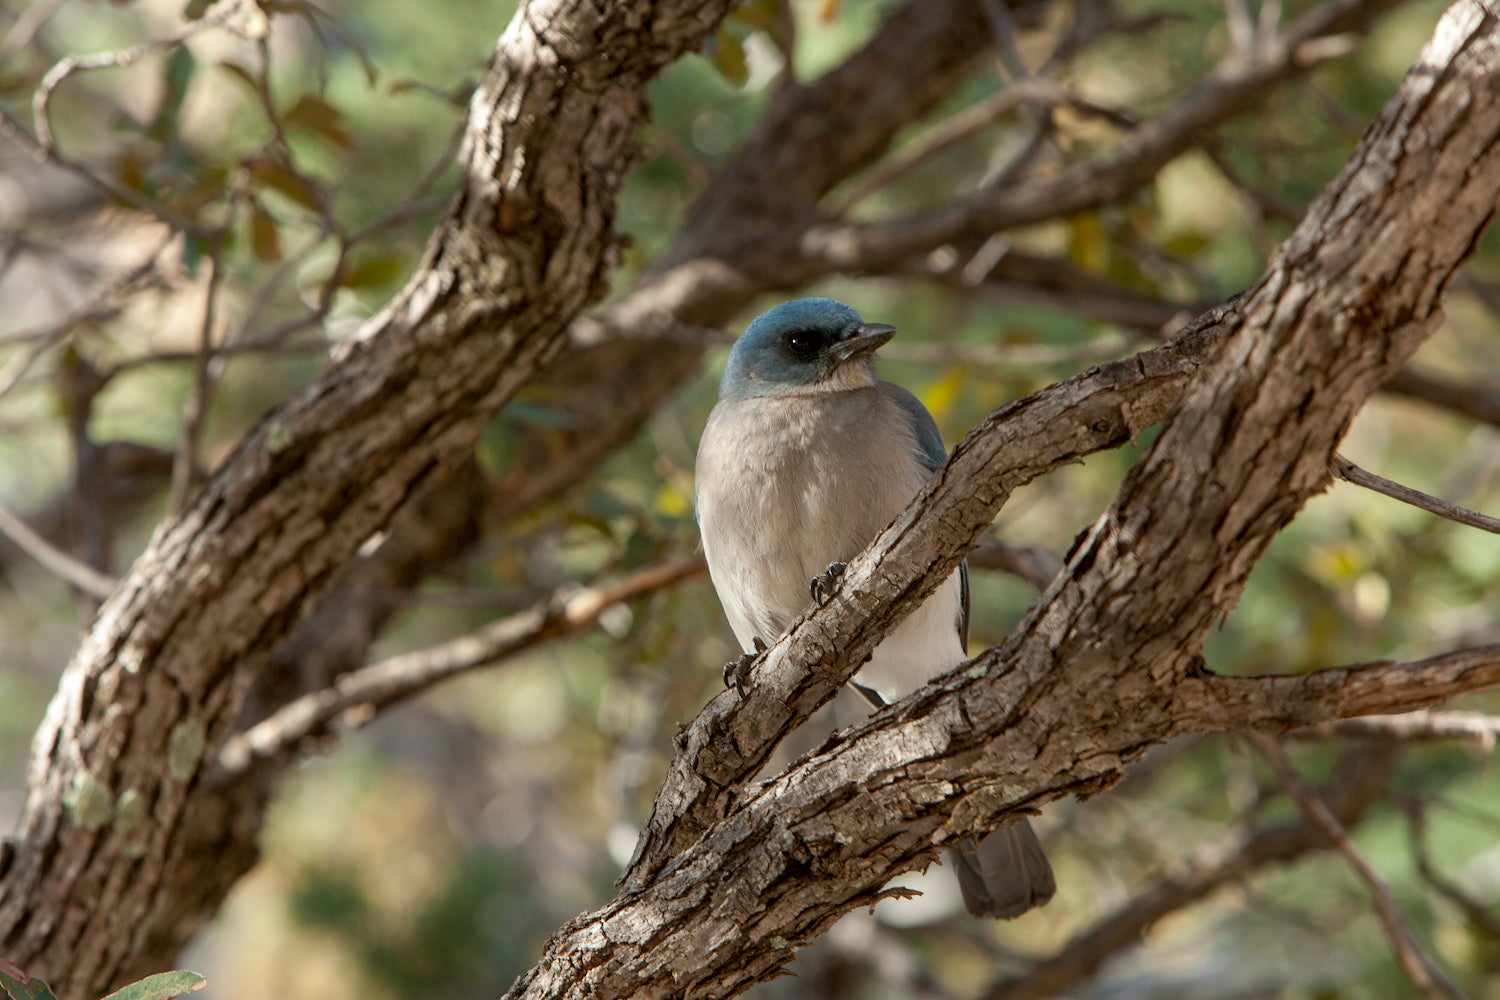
x,y
864,342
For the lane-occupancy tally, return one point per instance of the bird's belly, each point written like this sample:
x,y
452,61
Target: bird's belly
x,y
786,489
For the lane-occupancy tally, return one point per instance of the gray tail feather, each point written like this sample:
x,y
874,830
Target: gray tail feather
x,y
1005,874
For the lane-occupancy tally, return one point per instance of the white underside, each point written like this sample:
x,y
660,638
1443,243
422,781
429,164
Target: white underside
x,y
788,485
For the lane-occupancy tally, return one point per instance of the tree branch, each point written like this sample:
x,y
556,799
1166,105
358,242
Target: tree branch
x,y
1106,663
401,677
1237,855
1419,725
1419,967
527,244
1351,473
1239,81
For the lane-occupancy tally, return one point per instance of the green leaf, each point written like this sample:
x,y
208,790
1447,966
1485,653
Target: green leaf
x,y
373,272
20,986
162,986
177,76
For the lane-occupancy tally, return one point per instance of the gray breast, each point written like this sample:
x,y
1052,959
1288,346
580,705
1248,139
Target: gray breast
x,y
791,483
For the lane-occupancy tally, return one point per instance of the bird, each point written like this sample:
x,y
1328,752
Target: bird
x,y
805,458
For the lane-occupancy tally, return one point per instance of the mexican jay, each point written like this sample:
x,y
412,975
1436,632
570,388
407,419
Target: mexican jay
x,y
805,458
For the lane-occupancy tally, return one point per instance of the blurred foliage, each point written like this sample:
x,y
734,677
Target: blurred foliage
x,y
433,851
16,985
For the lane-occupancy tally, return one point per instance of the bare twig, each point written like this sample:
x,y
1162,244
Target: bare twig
x,y
1477,401
16,132
1418,966
105,304
74,571
1232,87
1031,563
1351,473
220,15
1479,915
186,467
1207,869
952,131
27,24
401,677
1420,726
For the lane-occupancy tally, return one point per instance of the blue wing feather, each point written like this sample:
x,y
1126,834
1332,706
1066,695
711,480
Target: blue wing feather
x,y
925,430
923,427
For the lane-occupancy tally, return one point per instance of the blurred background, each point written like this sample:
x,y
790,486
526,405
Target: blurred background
x,y
431,850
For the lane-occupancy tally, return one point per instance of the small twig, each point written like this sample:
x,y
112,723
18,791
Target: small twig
x,y
1476,401
1033,564
106,304
1197,874
14,131
952,131
220,16
1419,726
1479,915
185,467
81,575
1351,473
1105,347
1418,966
401,677
1003,27
27,24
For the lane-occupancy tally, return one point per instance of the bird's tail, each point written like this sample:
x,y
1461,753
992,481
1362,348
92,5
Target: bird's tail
x,y
1005,874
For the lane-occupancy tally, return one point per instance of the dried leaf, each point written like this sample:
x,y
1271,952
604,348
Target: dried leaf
x,y
265,237
727,54
313,114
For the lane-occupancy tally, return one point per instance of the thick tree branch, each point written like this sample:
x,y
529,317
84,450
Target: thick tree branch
x,y
914,61
527,245
1105,663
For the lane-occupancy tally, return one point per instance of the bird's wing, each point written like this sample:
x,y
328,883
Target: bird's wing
x,y
923,427
925,430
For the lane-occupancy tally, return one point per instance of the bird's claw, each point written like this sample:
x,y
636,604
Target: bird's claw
x,y
737,672
822,585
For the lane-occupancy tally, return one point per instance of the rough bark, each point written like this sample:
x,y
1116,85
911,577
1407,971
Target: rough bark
x,y
160,678
727,881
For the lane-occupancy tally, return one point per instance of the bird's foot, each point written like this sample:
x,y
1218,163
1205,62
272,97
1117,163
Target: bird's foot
x,y
737,672
823,584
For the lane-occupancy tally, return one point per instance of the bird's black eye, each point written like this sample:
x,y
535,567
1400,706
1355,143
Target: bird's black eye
x,y
801,343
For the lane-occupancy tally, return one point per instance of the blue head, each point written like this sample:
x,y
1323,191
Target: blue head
x,y
803,346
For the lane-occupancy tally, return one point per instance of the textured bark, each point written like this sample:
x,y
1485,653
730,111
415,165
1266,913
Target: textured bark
x,y
161,676
728,880
919,55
